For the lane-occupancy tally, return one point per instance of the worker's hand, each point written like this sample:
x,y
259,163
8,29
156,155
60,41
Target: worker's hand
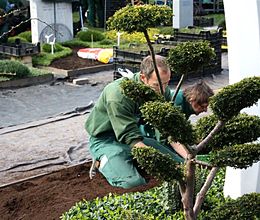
x,y
180,149
140,144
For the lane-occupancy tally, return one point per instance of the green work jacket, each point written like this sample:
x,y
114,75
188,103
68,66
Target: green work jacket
x,y
116,114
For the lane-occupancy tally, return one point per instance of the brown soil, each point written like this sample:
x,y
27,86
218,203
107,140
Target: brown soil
x,y
48,196
74,62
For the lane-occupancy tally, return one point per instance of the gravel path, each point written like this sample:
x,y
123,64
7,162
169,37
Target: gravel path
x,y
42,127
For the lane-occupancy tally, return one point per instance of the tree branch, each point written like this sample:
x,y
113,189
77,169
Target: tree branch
x,y
206,140
153,57
201,163
201,195
177,88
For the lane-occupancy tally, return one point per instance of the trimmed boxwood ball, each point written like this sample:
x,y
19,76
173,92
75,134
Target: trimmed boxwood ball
x,y
139,18
13,68
158,164
245,207
169,120
233,98
242,128
139,92
190,56
88,34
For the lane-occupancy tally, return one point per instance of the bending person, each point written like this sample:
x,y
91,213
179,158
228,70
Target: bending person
x,y
113,126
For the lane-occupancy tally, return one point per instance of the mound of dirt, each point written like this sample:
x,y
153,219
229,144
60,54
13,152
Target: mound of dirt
x,y
48,196
74,62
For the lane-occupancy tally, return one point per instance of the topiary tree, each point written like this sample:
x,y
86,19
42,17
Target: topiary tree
x,y
189,57
140,18
227,136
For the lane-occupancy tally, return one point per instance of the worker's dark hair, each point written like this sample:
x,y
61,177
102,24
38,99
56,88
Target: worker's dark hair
x,y
200,93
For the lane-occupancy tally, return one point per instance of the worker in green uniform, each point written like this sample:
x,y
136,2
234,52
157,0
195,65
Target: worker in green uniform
x,y
113,126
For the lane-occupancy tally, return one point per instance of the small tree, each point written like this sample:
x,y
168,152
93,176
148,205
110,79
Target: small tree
x,y
227,135
140,18
213,134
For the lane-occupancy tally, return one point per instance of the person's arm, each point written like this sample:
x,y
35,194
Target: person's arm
x,y
180,149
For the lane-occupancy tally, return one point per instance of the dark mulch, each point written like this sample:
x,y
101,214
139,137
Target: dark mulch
x,y
48,196
74,62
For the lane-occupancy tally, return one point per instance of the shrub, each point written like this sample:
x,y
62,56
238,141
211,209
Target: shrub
x,y
75,43
47,48
27,35
87,35
189,56
13,68
106,42
245,207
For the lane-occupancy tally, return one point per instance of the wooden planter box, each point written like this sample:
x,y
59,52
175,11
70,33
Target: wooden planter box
x,y
20,49
131,61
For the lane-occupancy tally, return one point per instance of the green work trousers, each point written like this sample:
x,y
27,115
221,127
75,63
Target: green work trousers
x,y
116,160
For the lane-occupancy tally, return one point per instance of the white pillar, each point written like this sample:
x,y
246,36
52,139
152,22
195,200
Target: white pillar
x,y
243,28
54,13
183,13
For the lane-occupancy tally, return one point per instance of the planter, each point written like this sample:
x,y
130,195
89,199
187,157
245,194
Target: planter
x,y
131,60
15,83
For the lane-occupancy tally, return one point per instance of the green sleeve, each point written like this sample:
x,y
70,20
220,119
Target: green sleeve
x,y
124,121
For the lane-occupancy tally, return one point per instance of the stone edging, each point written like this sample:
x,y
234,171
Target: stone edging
x,y
80,71
27,81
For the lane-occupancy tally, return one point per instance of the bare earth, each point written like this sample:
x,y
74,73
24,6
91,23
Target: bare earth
x,y
42,138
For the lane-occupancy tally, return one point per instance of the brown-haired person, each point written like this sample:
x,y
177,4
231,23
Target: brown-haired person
x,y
114,127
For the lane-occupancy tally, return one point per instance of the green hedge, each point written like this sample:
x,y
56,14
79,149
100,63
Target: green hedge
x,y
13,68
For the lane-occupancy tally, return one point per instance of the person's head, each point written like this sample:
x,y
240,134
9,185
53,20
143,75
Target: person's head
x,y
148,75
198,96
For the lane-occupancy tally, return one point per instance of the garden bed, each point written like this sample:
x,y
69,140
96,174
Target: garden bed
x,y
48,196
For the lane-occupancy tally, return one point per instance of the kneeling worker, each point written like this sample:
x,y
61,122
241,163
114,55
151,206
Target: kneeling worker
x,y
113,125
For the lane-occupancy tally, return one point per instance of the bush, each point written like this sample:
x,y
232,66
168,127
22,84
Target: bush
x,y
13,68
27,35
190,56
47,48
166,31
75,43
245,207
106,42
87,35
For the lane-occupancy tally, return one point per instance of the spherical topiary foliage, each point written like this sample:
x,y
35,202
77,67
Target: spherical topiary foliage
x,y
90,35
233,98
158,164
242,128
14,68
237,156
190,56
243,208
139,92
169,120
140,17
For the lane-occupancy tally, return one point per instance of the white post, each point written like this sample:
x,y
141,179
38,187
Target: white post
x,y
243,28
183,13
118,38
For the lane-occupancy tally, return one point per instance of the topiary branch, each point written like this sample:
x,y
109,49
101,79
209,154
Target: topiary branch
x,y
177,88
204,189
145,32
210,136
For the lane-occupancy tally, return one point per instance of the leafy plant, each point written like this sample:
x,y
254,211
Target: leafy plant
x,y
140,18
13,68
225,151
90,35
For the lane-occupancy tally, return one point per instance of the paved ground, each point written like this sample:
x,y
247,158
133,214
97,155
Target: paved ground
x,y
42,127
